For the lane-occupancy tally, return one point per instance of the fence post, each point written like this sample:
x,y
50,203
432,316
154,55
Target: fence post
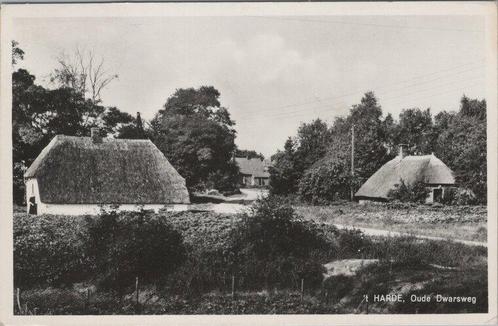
x,y
302,289
19,301
137,303
233,287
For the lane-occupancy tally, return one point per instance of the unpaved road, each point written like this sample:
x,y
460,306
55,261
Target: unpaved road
x,y
388,233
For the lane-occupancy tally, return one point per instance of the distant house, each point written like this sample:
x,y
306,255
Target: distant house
x,y
79,175
428,169
253,171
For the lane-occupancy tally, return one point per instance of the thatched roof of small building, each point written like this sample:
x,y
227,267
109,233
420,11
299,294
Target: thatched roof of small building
x,y
75,170
253,166
411,169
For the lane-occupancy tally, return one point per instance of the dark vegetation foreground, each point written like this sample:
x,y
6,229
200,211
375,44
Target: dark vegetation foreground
x,y
269,261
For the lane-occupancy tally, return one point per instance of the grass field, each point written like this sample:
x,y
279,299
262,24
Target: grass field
x,y
451,222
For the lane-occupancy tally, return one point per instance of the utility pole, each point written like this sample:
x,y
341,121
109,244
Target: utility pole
x,y
352,161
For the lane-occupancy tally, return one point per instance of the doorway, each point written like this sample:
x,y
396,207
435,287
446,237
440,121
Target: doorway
x,y
438,195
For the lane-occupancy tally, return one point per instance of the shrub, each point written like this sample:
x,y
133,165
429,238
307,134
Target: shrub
x,y
459,196
325,183
337,287
49,250
130,244
416,193
274,247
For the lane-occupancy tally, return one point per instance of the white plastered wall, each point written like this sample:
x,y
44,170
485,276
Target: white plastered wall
x,y
88,209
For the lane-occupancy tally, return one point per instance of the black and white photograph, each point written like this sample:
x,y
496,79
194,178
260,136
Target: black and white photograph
x,y
230,159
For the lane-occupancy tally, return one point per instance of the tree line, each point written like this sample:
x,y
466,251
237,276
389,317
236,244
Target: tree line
x,y
197,135
316,164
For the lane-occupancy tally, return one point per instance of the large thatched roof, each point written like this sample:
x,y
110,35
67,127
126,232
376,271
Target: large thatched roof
x,y
253,166
75,170
411,169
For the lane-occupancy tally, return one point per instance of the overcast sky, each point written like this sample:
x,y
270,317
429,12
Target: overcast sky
x,y
273,72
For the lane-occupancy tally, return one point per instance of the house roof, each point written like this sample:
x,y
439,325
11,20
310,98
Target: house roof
x,y
253,166
75,170
411,169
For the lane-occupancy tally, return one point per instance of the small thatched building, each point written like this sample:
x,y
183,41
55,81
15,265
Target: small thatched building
x,y
80,175
427,169
253,171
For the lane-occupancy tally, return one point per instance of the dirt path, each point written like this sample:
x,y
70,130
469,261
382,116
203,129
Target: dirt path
x,y
387,233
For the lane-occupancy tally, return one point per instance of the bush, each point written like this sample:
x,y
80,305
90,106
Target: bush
x,y
130,244
49,250
458,196
415,193
337,287
275,248
325,183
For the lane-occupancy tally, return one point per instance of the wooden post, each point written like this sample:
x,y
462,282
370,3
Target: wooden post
x,y
137,309
19,301
352,162
233,286
302,289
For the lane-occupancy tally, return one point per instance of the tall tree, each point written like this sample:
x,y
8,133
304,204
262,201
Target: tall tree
x,y
196,134
416,130
463,145
371,136
299,154
83,72
330,177
284,177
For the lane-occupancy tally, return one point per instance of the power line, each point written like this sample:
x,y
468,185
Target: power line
x,y
384,99
324,99
285,113
368,24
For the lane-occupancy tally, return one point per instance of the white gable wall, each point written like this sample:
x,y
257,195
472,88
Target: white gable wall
x,y
32,191
94,209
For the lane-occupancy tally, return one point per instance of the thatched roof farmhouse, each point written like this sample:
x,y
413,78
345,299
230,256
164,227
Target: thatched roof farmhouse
x,y
253,171
427,169
77,175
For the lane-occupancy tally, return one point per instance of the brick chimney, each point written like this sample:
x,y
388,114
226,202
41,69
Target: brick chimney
x,y
402,154
95,134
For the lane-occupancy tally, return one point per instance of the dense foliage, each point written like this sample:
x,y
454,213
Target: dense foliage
x,y
134,244
50,250
463,146
320,170
196,134
325,182
53,253
297,156
414,193
273,247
